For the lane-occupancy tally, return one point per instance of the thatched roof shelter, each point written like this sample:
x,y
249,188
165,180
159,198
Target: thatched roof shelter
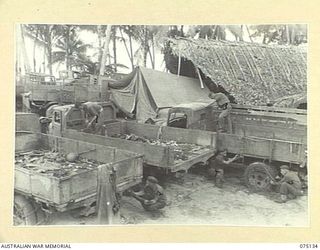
x,y
252,73
292,101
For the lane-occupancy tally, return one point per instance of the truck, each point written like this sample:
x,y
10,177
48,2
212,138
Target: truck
x,y
38,92
48,181
266,137
164,148
263,154
245,120
24,81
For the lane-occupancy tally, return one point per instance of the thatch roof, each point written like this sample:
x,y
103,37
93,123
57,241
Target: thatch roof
x,y
292,101
252,73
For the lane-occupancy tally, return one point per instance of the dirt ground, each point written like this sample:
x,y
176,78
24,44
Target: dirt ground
x,y
198,201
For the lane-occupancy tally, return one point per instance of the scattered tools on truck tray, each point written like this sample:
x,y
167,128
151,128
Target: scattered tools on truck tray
x,y
182,151
53,163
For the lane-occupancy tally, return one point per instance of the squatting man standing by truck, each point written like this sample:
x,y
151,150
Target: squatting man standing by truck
x,y
224,104
217,164
152,197
290,184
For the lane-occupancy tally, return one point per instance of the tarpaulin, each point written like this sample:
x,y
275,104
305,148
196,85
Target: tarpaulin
x,y
145,91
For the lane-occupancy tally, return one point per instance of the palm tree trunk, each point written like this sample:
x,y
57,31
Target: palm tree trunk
x,y
100,45
181,31
48,48
114,51
24,51
287,33
152,59
50,59
264,40
154,53
126,47
131,52
249,33
105,50
145,46
34,51
67,59
44,62
292,34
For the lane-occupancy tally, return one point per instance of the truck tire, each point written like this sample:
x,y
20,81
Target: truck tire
x,y
24,213
41,217
257,176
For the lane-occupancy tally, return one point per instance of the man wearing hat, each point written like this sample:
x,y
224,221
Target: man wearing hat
x,y
152,198
224,104
290,184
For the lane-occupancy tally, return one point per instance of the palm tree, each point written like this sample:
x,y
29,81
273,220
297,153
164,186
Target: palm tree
x,y
100,31
293,34
218,32
106,50
144,35
21,33
48,35
71,50
128,30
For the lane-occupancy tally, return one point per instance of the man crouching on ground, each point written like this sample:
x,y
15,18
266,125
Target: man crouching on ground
x,y
290,184
152,197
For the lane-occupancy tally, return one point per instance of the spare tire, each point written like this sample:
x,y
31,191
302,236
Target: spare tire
x,y
258,175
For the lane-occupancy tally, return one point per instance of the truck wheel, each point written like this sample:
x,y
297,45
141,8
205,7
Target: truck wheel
x,y
23,212
257,176
41,216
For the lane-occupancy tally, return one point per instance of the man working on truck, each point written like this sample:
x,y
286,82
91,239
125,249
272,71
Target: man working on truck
x,y
217,165
290,184
223,103
152,197
93,114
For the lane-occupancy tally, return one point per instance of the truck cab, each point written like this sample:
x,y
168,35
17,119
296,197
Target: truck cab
x,y
40,79
72,77
195,115
71,117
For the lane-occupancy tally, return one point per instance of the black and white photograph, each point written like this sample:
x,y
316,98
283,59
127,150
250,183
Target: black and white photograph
x,y
161,125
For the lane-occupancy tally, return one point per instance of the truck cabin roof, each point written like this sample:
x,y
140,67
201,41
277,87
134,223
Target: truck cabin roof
x,y
194,106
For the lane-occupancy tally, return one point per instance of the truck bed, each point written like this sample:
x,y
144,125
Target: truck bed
x,y
65,94
170,148
42,171
273,125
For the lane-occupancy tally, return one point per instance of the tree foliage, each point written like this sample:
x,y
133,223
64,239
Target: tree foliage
x,y
46,34
293,34
70,49
62,43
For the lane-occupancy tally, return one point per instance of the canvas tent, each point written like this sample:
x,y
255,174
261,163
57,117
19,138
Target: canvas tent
x,y
145,92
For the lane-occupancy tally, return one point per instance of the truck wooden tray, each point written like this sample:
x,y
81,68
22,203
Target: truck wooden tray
x,y
154,155
74,189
